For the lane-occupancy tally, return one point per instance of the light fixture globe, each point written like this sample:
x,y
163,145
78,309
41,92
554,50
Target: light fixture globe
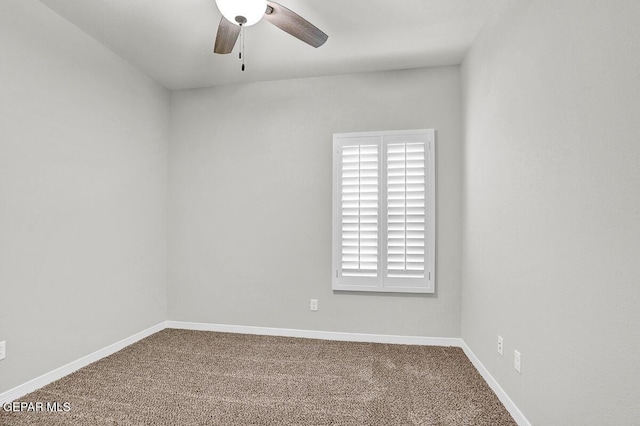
x,y
245,12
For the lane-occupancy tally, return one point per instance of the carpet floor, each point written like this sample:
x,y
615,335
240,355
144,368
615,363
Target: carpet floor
x,y
181,377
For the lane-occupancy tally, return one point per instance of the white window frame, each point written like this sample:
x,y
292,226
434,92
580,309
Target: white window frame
x,y
382,283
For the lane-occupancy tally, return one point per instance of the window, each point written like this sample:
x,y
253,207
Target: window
x,y
384,211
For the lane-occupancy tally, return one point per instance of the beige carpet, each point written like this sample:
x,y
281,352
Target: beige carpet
x,y
178,377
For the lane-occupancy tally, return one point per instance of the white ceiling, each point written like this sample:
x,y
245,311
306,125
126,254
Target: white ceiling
x,y
172,40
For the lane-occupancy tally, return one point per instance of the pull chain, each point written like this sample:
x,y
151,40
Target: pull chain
x,y
241,55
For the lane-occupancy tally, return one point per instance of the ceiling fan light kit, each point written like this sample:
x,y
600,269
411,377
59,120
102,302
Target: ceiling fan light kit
x,y
242,12
237,14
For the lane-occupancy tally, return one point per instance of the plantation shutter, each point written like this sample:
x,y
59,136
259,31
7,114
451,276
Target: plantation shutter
x,y
384,211
359,189
406,193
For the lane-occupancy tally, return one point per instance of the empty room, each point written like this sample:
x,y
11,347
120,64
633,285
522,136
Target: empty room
x,y
320,212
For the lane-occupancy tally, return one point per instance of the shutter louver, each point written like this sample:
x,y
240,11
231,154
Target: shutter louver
x,y
359,211
406,194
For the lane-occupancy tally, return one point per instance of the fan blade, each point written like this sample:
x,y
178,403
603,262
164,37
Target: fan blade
x,y
294,24
226,37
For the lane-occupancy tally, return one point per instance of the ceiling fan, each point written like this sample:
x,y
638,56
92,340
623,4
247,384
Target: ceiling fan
x,y
237,14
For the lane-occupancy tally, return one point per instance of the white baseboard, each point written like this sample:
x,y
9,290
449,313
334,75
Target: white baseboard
x,y
58,373
323,335
495,387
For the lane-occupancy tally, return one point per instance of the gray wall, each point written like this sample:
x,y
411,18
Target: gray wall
x,y
250,201
83,163
551,216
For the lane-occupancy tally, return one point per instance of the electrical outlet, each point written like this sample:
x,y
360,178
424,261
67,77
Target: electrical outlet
x,y
3,349
516,361
500,345
314,304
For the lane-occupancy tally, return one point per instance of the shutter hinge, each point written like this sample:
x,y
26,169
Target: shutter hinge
x,y
336,273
